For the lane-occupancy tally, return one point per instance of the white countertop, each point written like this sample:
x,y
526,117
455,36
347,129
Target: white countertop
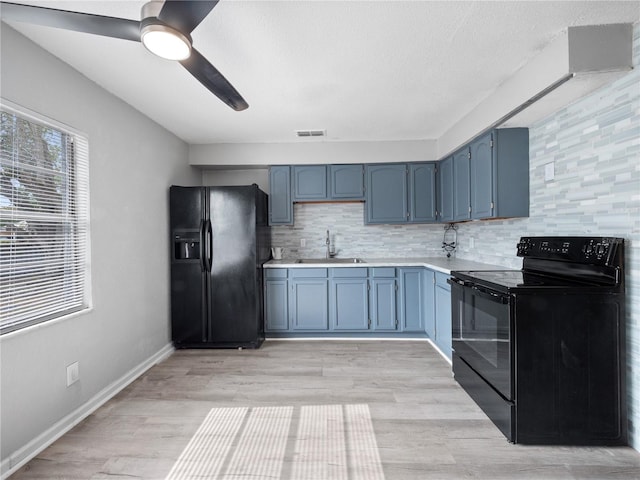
x,y
439,264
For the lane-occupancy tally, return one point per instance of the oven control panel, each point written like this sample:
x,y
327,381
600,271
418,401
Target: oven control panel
x,y
589,250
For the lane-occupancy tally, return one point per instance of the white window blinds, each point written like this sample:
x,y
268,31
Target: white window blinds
x,y
44,227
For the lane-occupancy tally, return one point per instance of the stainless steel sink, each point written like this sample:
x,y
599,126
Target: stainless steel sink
x,y
330,260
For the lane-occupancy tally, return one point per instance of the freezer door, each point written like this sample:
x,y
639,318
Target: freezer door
x,y
189,280
234,312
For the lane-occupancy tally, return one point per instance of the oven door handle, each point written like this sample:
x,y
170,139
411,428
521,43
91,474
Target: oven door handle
x,y
457,281
490,295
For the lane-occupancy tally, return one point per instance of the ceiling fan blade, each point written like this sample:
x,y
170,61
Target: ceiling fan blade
x,y
215,82
185,15
76,21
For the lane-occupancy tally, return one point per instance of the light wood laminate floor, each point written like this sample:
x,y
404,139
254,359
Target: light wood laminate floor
x,y
307,410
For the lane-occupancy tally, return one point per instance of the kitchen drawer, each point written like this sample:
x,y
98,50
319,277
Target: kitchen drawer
x,y
349,272
275,273
308,272
380,272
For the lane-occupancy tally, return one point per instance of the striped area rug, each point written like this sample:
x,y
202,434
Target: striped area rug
x,y
319,442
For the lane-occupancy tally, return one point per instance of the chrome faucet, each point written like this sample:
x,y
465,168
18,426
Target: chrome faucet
x,y
328,244
331,252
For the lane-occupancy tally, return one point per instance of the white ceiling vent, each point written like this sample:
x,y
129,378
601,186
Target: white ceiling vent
x,y
311,133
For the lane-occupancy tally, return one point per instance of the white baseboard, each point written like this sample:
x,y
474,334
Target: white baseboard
x,y
437,349
21,456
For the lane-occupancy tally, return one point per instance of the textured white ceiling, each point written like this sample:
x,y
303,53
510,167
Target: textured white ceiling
x,y
362,70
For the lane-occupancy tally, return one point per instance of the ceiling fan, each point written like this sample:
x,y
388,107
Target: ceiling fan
x,y
164,30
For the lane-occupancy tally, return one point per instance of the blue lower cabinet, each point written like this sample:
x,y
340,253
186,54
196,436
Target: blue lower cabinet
x,y
429,303
276,305
309,304
348,304
411,299
358,299
443,314
384,307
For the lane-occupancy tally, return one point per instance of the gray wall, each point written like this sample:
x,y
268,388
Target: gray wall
x,y
221,178
595,148
132,162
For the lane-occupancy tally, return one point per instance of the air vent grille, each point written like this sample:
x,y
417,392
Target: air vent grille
x,y
311,133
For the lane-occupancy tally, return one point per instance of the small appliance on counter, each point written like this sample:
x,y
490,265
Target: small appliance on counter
x,y
542,350
220,239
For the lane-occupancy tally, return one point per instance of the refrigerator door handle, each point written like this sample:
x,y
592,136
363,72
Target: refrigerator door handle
x,y
201,250
208,246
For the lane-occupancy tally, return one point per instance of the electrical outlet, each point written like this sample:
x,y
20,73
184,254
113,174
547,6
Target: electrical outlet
x,y
549,172
303,242
73,373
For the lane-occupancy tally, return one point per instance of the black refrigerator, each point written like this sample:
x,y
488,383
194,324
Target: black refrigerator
x,y
220,239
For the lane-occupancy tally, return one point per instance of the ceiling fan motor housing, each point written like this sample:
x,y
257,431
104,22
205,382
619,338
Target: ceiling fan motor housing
x,y
160,38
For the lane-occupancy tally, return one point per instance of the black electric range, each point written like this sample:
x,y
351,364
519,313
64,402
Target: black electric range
x,y
542,349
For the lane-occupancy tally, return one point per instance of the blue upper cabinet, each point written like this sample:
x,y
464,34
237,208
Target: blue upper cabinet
x,y
461,193
482,181
422,192
328,182
386,192
499,174
445,190
401,193
280,203
490,178
346,182
310,183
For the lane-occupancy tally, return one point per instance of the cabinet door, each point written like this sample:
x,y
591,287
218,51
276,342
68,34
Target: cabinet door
x,y
349,304
511,172
411,303
310,182
422,192
309,304
384,316
280,203
276,306
346,182
443,315
461,201
445,192
386,193
481,168
429,304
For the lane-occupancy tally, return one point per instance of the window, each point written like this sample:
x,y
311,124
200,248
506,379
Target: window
x,y
44,227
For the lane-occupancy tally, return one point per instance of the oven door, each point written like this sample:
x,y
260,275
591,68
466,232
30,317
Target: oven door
x,y
481,332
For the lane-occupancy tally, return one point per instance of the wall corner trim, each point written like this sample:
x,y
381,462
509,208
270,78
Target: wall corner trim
x,y
20,457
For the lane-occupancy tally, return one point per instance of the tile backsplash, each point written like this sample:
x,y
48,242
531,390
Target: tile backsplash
x,y
349,235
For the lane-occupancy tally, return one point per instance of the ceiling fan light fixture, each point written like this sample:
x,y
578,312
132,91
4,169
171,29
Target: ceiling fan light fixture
x,y
165,41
